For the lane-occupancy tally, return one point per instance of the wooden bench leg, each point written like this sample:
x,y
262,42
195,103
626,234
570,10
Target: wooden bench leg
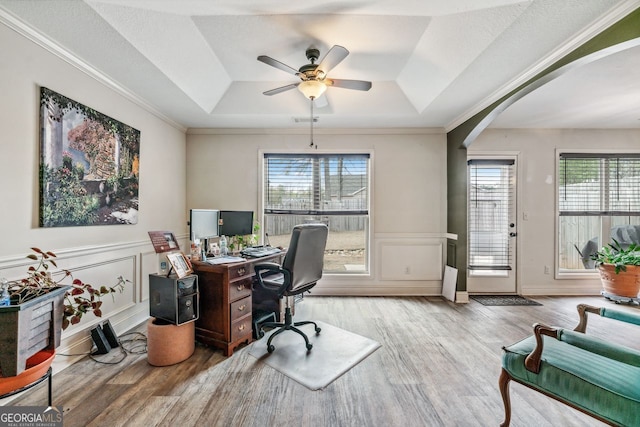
x,y
504,390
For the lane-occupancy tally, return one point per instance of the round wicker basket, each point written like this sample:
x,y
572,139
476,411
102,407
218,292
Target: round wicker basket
x,y
624,284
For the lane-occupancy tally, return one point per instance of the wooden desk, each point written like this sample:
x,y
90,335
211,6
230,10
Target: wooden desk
x,y
225,302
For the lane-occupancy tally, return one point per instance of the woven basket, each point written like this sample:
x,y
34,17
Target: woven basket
x,y
624,284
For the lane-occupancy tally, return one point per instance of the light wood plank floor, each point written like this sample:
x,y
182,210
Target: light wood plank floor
x,y
438,366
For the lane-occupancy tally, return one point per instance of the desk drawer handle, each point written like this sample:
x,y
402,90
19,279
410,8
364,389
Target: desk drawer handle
x,y
241,271
241,327
242,307
240,287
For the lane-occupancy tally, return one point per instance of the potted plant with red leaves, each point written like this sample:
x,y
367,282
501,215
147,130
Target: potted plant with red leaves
x,y
40,307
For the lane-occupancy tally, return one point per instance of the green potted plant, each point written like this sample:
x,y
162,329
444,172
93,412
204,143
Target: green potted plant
x,y
253,239
619,269
40,307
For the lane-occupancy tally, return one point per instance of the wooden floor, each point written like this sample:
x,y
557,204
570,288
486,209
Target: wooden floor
x,y
438,366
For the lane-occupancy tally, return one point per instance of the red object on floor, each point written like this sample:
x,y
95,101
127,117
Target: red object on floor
x,y
37,367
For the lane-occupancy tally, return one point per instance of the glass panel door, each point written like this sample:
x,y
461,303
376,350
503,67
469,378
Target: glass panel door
x,y
492,225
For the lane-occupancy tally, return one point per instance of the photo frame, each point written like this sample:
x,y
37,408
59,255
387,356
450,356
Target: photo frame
x,y
180,264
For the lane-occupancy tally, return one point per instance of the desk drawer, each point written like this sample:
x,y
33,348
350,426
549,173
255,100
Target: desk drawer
x,y
238,271
239,289
240,308
241,328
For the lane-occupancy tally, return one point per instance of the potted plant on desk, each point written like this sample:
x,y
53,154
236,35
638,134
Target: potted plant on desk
x,y
619,269
38,307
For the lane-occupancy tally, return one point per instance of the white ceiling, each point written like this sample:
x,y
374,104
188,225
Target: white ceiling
x,y
433,63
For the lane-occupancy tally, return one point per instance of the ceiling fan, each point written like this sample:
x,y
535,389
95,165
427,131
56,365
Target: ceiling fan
x,y
313,76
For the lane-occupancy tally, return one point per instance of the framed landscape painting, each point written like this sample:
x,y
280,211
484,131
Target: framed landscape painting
x,y
89,165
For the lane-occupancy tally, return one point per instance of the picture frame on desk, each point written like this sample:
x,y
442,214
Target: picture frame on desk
x,y
180,264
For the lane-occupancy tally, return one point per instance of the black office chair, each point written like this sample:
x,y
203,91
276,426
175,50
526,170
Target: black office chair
x,y
300,271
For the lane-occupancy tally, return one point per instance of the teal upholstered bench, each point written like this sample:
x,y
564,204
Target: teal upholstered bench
x,y
599,378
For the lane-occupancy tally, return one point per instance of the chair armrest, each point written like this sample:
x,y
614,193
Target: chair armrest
x,y
578,338
583,309
268,268
607,349
623,316
532,361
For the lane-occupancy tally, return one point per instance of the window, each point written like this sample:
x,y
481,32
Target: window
x,y
491,208
329,188
598,200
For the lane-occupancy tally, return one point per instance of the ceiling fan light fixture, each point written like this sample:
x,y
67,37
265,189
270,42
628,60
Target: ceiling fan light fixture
x,y
312,89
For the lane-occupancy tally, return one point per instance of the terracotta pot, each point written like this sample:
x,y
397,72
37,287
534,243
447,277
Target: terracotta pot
x,y
37,366
624,284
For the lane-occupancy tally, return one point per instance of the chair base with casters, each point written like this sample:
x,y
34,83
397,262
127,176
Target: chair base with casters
x,y
288,325
300,271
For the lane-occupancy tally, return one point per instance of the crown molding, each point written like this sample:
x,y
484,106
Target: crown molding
x,y
305,131
49,45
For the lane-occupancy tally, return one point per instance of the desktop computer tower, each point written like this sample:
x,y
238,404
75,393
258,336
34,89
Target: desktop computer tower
x,y
174,300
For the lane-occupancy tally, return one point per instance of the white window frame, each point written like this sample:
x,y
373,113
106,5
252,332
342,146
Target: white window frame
x,y
368,237
567,274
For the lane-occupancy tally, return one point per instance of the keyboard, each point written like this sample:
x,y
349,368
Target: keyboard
x,y
259,252
224,260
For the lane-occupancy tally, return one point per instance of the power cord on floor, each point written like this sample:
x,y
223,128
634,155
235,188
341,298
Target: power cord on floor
x,y
136,344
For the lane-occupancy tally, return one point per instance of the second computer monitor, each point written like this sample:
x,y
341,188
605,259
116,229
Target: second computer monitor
x,y
203,223
235,223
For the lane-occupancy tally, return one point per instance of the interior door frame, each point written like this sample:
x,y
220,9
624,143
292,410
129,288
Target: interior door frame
x,y
475,283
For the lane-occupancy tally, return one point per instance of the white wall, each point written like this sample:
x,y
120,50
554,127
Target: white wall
x,y
97,254
536,198
409,194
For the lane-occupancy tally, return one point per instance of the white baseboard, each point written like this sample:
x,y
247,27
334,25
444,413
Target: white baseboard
x,y
462,297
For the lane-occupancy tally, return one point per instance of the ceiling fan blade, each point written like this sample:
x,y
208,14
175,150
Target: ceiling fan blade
x,y
277,64
335,56
348,84
280,89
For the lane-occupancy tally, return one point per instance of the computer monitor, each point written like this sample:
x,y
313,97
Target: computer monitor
x,y
235,223
203,223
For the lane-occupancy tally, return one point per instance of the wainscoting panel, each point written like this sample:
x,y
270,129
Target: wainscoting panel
x,y
106,272
410,260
